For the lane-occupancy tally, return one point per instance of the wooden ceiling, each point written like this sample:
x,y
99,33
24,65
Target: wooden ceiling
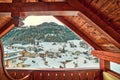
x,y
109,10
97,21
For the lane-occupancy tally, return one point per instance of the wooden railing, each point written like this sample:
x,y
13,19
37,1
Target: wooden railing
x,y
57,74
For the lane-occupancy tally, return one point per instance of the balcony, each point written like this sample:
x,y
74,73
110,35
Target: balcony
x,y
56,74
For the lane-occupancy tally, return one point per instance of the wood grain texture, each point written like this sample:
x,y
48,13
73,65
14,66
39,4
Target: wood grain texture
x,y
109,56
36,6
5,1
108,10
94,33
58,74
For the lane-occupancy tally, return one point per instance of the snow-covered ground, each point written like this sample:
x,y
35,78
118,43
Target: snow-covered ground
x,y
39,62
70,54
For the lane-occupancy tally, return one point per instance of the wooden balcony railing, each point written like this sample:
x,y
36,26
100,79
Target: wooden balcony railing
x,y
57,74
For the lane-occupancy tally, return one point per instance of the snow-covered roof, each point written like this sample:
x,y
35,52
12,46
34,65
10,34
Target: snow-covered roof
x,y
18,61
12,57
76,42
6,50
28,45
75,49
31,51
48,46
36,62
53,63
20,45
17,45
41,52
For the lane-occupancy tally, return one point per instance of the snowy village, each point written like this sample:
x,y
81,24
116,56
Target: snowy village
x,y
47,45
70,54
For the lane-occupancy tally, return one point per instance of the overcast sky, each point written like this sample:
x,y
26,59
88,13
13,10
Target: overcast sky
x,y
36,20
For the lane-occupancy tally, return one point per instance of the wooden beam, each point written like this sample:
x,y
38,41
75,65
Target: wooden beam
x,y
108,56
6,28
5,1
6,14
100,30
4,20
78,32
35,6
104,64
53,0
53,13
15,1
95,18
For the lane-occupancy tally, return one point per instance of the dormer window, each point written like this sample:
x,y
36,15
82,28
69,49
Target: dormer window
x,y
44,42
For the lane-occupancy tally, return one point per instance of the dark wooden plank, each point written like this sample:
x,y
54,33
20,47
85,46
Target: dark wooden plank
x,y
83,75
68,75
61,75
90,75
37,75
53,0
98,75
12,74
15,1
45,75
36,6
104,64
6,28
52,75
109,56
76,75
19,74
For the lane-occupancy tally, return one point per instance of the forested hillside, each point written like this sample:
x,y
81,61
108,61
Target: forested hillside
x,y
47,32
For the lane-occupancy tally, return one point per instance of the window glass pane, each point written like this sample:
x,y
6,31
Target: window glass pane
x,y
44,42
115,67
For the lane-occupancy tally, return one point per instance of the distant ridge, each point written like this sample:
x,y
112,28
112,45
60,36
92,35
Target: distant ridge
x,y
47,32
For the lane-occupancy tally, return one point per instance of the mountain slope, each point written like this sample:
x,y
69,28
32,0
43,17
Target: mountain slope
x,y
48,32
